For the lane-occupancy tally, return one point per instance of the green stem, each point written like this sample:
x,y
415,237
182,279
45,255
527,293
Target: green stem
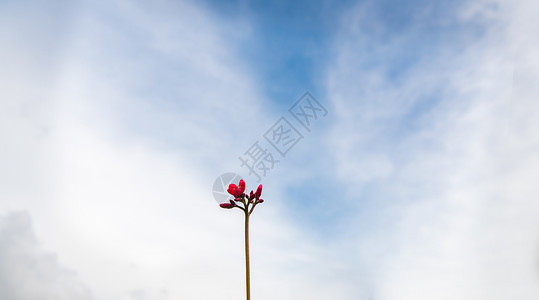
x,y
247,271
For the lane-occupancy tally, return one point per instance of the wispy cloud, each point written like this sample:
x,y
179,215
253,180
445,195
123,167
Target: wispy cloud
x,y
431,150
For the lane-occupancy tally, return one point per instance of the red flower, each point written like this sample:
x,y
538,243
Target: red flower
x,y
226,205
235,190
240,202
258,192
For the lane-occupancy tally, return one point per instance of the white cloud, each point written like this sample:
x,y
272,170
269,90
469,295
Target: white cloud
x,y
29,272
454,218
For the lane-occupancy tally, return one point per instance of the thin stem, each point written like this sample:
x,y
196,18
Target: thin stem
x,y
247,271
252,208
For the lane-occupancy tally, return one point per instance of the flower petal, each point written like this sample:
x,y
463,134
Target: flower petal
x,y
241,186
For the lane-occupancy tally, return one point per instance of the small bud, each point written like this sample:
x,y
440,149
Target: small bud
x,y
258,192
260,201
226,205
241,186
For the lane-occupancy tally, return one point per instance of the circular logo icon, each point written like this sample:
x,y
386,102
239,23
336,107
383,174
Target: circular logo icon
x,y
220,186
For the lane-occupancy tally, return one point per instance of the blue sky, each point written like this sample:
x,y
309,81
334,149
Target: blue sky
x,y
290,42
419,183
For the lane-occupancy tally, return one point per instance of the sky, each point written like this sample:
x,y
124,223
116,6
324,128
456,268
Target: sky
x,y
415,177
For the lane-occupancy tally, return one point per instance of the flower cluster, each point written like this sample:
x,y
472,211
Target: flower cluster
x,y
238,191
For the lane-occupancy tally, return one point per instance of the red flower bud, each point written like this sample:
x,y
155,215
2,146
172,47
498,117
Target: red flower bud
x,y
226,205
241,186
258,192
252,195
260,201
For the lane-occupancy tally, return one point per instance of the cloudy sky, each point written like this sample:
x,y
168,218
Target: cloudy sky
x,y
416,179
